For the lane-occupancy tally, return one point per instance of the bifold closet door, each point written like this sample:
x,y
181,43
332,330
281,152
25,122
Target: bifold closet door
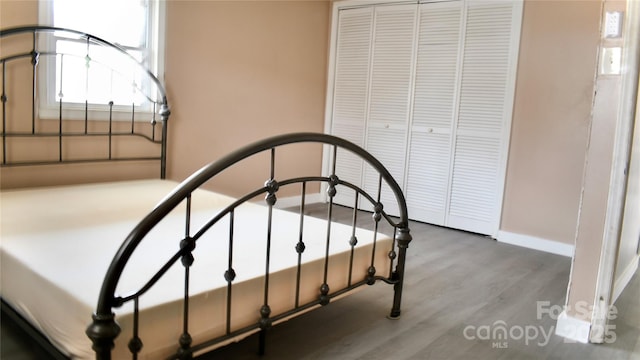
x,y
428,89
351,92
434,109
462,112
482,128
372,89
391,80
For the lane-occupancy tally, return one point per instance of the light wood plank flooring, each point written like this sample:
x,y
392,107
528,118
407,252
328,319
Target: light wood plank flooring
x,y
455,281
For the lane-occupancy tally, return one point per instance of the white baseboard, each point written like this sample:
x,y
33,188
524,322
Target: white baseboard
x,y
573,329
536,243
624,278
291,201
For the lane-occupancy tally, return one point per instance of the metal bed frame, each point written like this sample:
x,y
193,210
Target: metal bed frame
x,y
104,327
34,55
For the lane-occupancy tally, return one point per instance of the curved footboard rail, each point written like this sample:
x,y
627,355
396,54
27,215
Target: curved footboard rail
x,y
104,328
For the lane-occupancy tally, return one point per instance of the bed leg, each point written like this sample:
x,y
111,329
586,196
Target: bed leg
x,y
403,238
262,339
265,324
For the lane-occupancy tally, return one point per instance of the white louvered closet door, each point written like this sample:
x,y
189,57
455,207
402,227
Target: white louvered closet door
x,y
391,80
351,93
484,117
436,79
428,89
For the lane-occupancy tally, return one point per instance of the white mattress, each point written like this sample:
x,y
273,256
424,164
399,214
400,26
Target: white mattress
x,y
57,243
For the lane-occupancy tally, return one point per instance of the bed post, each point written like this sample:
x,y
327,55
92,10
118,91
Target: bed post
x,y
403,238
102,332
164,117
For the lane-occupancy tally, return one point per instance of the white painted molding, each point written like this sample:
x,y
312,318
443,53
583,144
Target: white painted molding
x,y
532,242
573,329
623,280
624,125
291,201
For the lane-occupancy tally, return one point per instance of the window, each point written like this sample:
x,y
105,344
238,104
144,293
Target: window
x,y
80,77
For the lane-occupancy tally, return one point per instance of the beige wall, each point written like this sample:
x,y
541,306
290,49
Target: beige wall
x,y
551,118
18,13
238,71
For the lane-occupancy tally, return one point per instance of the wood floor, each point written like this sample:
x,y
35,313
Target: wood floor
x,y
459,288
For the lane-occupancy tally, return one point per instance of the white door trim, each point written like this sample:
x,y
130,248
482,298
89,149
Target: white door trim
x,y
618,180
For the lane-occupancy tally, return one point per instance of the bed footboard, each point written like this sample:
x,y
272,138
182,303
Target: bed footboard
x,y
104,328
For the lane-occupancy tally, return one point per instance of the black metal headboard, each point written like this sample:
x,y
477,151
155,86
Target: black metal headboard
x,y
24,51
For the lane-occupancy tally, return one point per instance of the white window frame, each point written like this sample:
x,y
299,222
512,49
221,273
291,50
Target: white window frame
x,y
49,107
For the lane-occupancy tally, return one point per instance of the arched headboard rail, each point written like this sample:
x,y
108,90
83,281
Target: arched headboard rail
x,y
67,119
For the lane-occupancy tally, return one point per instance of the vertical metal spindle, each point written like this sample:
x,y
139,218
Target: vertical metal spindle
x,y
135,344
324,289
187,225
133,100
392,252
86,116
377,215
354,239
271,200
164,117
265,311
230,274
300,246
188,245
133,116
34,63
153,122
60,95
273,163
4,113
87,60
335,160
331,192
110,128
185,338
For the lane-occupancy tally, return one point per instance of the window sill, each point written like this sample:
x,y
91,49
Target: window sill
x,y
96,113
